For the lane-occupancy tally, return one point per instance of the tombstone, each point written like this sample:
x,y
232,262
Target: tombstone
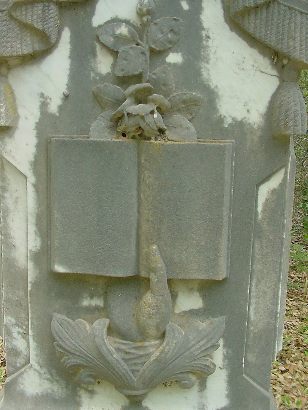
x,y
146,178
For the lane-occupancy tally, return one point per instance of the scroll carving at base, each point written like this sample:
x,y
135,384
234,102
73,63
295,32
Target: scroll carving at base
x,y
137,367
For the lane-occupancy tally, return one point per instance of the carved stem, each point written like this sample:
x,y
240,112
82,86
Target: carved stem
x,y
146,21
158,274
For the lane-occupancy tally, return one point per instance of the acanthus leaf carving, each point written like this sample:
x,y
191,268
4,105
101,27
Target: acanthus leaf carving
x,y
175,348
182,354
87,347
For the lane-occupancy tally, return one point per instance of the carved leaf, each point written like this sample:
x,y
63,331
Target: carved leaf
x,y
117,34
179,128
114,364
132,60
103,127
162,80
186,104
86,376
88,348
164,33
72,339
109,95
183,352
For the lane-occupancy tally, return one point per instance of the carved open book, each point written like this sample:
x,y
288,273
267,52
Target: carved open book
x,y
111,199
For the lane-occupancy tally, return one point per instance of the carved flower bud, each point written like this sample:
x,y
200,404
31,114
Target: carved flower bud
x,y
145,7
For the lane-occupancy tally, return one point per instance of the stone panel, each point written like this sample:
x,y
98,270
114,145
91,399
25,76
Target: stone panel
x,y
14,266
176,195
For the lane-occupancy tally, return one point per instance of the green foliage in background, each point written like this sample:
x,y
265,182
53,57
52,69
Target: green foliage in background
x,y
289,375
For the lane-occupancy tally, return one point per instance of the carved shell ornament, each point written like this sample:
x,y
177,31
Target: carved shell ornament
x,y
283,26
149,109
27,29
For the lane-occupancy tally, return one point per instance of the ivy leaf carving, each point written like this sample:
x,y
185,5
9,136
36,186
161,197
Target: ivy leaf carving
x,y
117,34
164,33
103,127
109,95
186,104
179,128
132,60
162,80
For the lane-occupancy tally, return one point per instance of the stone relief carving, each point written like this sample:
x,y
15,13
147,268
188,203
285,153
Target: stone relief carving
x,y
174,348
269,21
27,29
150,109
168,347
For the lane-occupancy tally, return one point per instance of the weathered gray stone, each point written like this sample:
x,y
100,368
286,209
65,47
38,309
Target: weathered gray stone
x,y
158,192
145,225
